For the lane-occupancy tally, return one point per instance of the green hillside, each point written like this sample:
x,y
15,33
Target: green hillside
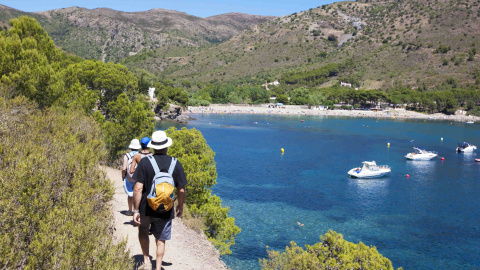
x,y
382,43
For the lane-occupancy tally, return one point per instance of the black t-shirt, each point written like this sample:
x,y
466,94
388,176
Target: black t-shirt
x,y
144,174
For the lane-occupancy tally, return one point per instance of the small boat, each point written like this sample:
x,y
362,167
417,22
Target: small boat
x,y
370,169
421,154
466,147
477,160
470,122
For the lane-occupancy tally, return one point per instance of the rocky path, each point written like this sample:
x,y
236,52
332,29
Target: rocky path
x,y
187,250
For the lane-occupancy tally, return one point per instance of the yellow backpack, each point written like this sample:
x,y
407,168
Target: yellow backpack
x,y
161,195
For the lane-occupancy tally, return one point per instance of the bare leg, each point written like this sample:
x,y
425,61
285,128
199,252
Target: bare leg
x,y
160,253
144,244
130,203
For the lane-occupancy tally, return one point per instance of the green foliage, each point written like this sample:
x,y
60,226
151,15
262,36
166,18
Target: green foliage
x,y
166,93
192,150
442,49
300,96
313,77
474,111
128,120
54,196
282,98
218,93
31,66
28,62
333,252
110,80
332,38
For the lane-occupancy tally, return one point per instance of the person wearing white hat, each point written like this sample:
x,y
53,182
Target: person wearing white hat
x,y
128,185
150,221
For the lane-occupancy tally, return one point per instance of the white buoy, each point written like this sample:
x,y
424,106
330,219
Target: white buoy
x,y
441,139
388,144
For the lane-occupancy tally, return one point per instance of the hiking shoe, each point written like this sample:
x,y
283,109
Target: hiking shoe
x,y
145,266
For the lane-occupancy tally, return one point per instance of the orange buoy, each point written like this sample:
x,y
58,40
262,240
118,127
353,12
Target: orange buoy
x,y
442,158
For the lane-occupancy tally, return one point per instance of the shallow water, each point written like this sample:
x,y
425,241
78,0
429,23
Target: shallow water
x,y
430,220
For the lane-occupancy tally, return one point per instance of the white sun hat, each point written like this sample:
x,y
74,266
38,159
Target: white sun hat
x,y
160,140
135,144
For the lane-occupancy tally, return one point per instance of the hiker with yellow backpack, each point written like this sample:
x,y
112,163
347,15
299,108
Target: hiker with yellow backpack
x,y
156,178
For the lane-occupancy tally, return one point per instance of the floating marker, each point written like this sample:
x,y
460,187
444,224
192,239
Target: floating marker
x,y
407,175
388,144
442,158
441,139
282,150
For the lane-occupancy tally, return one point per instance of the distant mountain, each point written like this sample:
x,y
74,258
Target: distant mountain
x,y
380,43
112,35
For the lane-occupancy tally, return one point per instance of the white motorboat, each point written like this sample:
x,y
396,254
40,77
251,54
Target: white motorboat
x,y
370,169
421,154
466,147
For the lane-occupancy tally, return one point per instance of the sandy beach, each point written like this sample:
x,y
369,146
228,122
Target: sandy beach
x,y
304,110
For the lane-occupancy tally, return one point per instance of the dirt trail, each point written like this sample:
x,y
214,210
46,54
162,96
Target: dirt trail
x,y
187,250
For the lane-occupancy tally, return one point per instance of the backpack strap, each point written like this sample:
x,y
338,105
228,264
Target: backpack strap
x,y
172,166
154,164
129,155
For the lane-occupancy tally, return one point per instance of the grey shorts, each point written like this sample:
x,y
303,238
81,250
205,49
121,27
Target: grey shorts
x,y
160,228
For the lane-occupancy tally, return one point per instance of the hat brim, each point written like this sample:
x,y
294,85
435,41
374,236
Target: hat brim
x,y
134,146
158,147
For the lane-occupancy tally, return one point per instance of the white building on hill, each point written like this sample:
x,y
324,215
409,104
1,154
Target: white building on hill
x,y
345,84
275,83
151,92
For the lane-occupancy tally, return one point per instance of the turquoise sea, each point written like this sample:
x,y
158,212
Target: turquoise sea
x,y
430,220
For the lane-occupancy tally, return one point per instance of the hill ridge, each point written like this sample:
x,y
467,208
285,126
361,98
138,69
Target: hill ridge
x,y
112,35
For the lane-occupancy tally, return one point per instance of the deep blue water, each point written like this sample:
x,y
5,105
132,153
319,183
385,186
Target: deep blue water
x,y
430,220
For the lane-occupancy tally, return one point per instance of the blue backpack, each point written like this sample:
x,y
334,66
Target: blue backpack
x,y
161,195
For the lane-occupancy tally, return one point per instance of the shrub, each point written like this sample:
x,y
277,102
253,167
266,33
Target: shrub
x,y
333,252
54,197
442,49
192,150
332,38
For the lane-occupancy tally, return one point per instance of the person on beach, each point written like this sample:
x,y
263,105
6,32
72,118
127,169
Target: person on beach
x,y
145,152
148,220
128,185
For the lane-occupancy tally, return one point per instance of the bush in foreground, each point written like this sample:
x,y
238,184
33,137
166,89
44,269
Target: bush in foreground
x,y
333,252
53,195
197,158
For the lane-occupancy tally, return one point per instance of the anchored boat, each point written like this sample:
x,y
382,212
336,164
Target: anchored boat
x,y
466,147
421,154
370,169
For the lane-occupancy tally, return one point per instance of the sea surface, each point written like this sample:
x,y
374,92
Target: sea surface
x,y
430,220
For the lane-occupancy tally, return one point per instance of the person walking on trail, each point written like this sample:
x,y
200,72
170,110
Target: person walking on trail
x,y
145,152
128,183
154,213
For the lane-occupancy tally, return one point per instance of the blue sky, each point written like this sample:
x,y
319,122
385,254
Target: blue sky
x,y
202,8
